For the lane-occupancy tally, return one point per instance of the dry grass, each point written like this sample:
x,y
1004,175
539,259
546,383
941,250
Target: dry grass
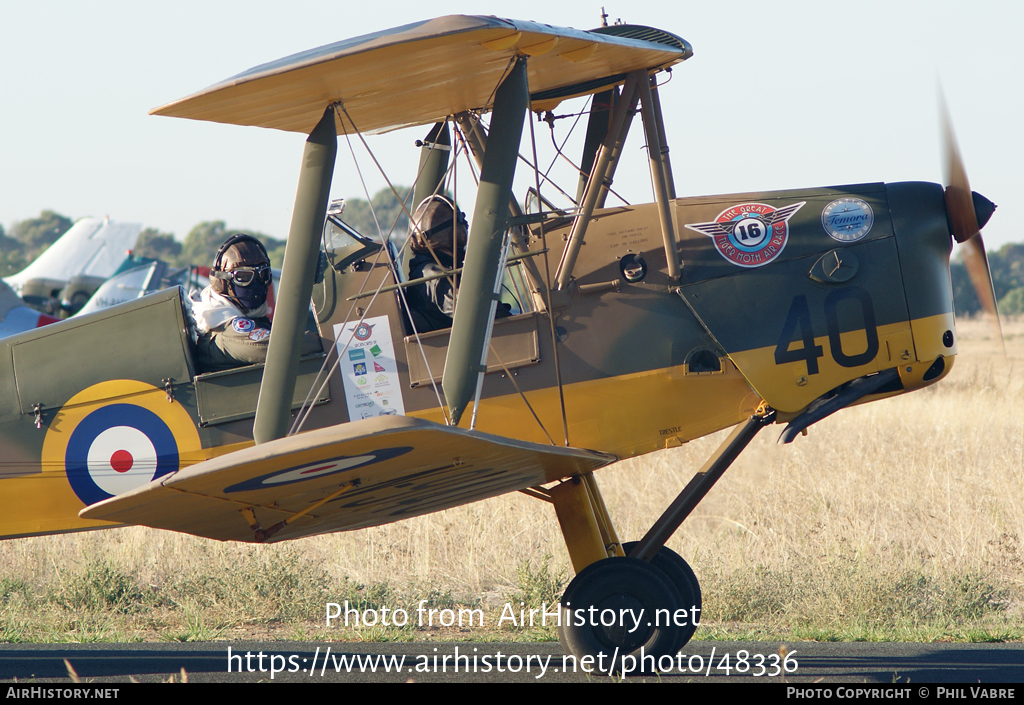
x,y
901,519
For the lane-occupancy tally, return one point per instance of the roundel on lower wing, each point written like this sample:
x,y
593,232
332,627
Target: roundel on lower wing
x,y
308,471
117,448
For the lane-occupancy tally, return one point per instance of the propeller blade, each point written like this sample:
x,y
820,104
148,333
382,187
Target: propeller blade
x,y
976,262
961,205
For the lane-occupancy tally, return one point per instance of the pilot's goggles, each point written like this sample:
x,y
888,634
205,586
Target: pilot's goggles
x,y
244,276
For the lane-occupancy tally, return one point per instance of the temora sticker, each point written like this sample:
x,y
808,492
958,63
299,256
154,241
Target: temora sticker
x,y
847,219
750,234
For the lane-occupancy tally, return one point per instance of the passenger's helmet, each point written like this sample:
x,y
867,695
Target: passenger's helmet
x,y
241,272
432,223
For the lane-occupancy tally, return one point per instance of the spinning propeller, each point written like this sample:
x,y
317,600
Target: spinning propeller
x,y
968,212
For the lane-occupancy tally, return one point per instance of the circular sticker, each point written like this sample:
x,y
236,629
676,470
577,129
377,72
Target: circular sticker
x,y
115,436
242,325
364,331
847,219
309,471
750,234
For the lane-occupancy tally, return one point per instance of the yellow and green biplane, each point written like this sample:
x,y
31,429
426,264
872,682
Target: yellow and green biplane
x,y
634,327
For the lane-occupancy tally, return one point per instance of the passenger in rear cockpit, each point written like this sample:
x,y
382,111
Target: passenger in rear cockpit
x,y
231,313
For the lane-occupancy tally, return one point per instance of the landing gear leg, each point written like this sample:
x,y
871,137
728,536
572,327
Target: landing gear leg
x,y
699,486
625,613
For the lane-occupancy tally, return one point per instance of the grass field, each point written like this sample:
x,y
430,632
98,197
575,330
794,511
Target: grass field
x,y
897,520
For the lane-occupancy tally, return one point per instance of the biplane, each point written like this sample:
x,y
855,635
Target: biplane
x,y
634,328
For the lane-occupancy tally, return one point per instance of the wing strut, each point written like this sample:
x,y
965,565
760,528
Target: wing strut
x,y
597,185
597,128
661,181
637,88
433,163
273,410
659,117
476,139
474,310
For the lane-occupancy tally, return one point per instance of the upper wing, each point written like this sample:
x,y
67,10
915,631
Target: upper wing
x,y
422,72
349,476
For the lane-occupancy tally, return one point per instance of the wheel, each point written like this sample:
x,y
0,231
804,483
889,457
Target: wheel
x,y
685,580
609,613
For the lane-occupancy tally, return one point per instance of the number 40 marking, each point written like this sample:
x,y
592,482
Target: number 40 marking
x,y
799,316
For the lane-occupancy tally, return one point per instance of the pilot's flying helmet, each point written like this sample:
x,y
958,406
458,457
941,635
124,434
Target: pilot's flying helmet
x,y
241,272
432,223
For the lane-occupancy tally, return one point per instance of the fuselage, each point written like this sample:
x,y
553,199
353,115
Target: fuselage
x,y
783,297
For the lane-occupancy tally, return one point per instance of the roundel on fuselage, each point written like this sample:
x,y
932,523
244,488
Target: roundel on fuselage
x,y
116,436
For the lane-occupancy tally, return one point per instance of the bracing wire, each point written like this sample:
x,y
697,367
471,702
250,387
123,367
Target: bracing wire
x,y
302,417
392,264
561,154
547,292
558,150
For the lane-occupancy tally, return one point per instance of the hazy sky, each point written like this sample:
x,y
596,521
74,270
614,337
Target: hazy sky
x,y
778,94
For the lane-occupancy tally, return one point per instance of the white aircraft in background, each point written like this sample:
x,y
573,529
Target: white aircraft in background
x,y
16,317
66,274
92,247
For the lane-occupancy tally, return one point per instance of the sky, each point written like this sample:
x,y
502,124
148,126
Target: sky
x,y
786,94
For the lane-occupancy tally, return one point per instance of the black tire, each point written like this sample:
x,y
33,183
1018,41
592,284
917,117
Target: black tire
x,y
634,644
685,580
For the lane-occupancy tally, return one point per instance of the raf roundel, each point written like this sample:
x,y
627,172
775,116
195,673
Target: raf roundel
x,y
118,448
317,469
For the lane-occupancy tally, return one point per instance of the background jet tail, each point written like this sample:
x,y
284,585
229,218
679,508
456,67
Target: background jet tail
x,y
93,246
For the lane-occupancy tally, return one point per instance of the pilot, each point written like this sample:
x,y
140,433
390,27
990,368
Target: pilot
x,y
435,241
231,313
438,241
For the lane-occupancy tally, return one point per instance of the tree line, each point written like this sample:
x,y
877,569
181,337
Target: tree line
x,y
1007,265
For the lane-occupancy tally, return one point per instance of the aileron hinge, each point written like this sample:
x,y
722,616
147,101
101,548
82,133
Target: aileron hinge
x,y
169,388
38,411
